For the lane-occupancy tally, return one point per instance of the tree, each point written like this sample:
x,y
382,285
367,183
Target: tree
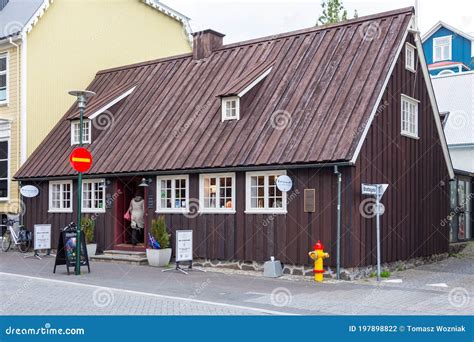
x,y
333,12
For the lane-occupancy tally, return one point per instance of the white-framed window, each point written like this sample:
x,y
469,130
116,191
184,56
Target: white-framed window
x,y
410,57
409,116
230,108
4,169
172,193
217,193
86,132
442,48
3,78
262,193
93,195
60,196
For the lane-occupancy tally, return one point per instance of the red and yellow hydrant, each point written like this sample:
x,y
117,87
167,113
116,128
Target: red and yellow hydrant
x,y
318,255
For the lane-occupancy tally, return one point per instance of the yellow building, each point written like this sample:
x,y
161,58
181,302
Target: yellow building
x,y
50,47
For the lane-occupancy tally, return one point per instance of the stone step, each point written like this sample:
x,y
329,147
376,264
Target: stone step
x,y
122,258
130,253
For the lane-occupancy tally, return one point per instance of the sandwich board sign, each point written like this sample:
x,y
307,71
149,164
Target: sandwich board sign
x,y
184,251
376,190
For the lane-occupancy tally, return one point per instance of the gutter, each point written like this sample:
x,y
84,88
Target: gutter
x,y
191,171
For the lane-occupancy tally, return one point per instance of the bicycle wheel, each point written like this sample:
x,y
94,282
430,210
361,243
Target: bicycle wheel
x,y
6,241
24,246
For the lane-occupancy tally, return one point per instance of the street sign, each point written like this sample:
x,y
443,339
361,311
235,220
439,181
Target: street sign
x,y
184,245
284,183
376,190
29,191
81,159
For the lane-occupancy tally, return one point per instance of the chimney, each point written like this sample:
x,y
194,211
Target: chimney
x,y
205,42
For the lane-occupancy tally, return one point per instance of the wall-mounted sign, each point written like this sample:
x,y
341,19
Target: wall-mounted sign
x,y
42,233
29,191
184,245
284,183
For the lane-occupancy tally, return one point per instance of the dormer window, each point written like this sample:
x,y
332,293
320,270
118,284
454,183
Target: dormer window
x,y
230,108
442,49
86,132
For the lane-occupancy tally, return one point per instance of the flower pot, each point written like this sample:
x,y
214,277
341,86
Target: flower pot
x,y
91,249
158,257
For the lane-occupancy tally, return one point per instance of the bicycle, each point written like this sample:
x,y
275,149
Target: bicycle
x,y
22,239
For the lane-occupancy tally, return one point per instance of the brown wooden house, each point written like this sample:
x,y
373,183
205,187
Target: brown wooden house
x,y
211,131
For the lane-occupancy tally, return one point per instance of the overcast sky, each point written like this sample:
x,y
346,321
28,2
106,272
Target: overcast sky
x,y
247,19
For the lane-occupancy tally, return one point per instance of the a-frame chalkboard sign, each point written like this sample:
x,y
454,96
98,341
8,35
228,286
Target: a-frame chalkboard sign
x,y
66,252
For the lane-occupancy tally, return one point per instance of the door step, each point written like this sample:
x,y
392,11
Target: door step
x,y
122,257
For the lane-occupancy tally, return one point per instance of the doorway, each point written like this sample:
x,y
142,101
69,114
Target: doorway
x,y
126,237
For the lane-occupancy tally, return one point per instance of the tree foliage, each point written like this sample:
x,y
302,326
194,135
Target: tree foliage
x,y
333,12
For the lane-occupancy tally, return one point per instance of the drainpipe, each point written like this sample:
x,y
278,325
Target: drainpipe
x,y
17,47
338,239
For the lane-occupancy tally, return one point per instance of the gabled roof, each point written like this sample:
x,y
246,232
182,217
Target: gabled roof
x,y
324,83
440,24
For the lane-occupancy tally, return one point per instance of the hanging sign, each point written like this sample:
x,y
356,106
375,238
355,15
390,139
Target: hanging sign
x,y
284,183
42,233
184,245
29,191
81,159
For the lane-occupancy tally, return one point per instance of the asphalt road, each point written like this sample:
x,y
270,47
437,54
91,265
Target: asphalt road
x,y
28,286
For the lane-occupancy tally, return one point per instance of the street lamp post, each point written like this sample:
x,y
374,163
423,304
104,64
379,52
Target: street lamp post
x,y
82,97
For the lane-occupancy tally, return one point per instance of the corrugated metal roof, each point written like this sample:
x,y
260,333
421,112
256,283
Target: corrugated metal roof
x,y
322,87
455,94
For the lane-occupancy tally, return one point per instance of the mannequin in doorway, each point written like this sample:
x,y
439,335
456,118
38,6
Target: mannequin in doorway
x,y
137,213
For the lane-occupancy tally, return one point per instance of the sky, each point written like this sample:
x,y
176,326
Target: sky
x,y
246,19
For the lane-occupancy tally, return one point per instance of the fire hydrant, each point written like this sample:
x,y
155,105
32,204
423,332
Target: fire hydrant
x,y
318,255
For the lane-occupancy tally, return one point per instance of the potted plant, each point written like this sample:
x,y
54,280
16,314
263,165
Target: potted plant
x,y
158,252
88,227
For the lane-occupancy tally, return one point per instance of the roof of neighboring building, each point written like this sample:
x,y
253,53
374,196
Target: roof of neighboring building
x,y
20,15
446,64
16,15
311,108
455,93
440,24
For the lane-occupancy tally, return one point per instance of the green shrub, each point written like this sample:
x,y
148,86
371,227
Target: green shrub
x,y
385,274
88,227
159,232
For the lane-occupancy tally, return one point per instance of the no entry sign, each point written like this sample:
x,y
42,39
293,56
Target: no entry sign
x,y
81,159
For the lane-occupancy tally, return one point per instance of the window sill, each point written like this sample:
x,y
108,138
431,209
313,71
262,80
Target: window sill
x,y
216,211
93,211
4,199
266,211
411,70
172,211
408,135
55,211
3,103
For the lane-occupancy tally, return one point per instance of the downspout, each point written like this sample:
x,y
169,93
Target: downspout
x,y
10,40
338,238
23,97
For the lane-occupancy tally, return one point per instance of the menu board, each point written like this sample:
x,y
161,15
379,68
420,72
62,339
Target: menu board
x,y
184,245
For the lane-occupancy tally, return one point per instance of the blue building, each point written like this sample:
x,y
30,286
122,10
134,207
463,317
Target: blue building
x,y
448,50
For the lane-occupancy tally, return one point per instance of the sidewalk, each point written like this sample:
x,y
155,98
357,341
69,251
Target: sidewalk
x,y
29,286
